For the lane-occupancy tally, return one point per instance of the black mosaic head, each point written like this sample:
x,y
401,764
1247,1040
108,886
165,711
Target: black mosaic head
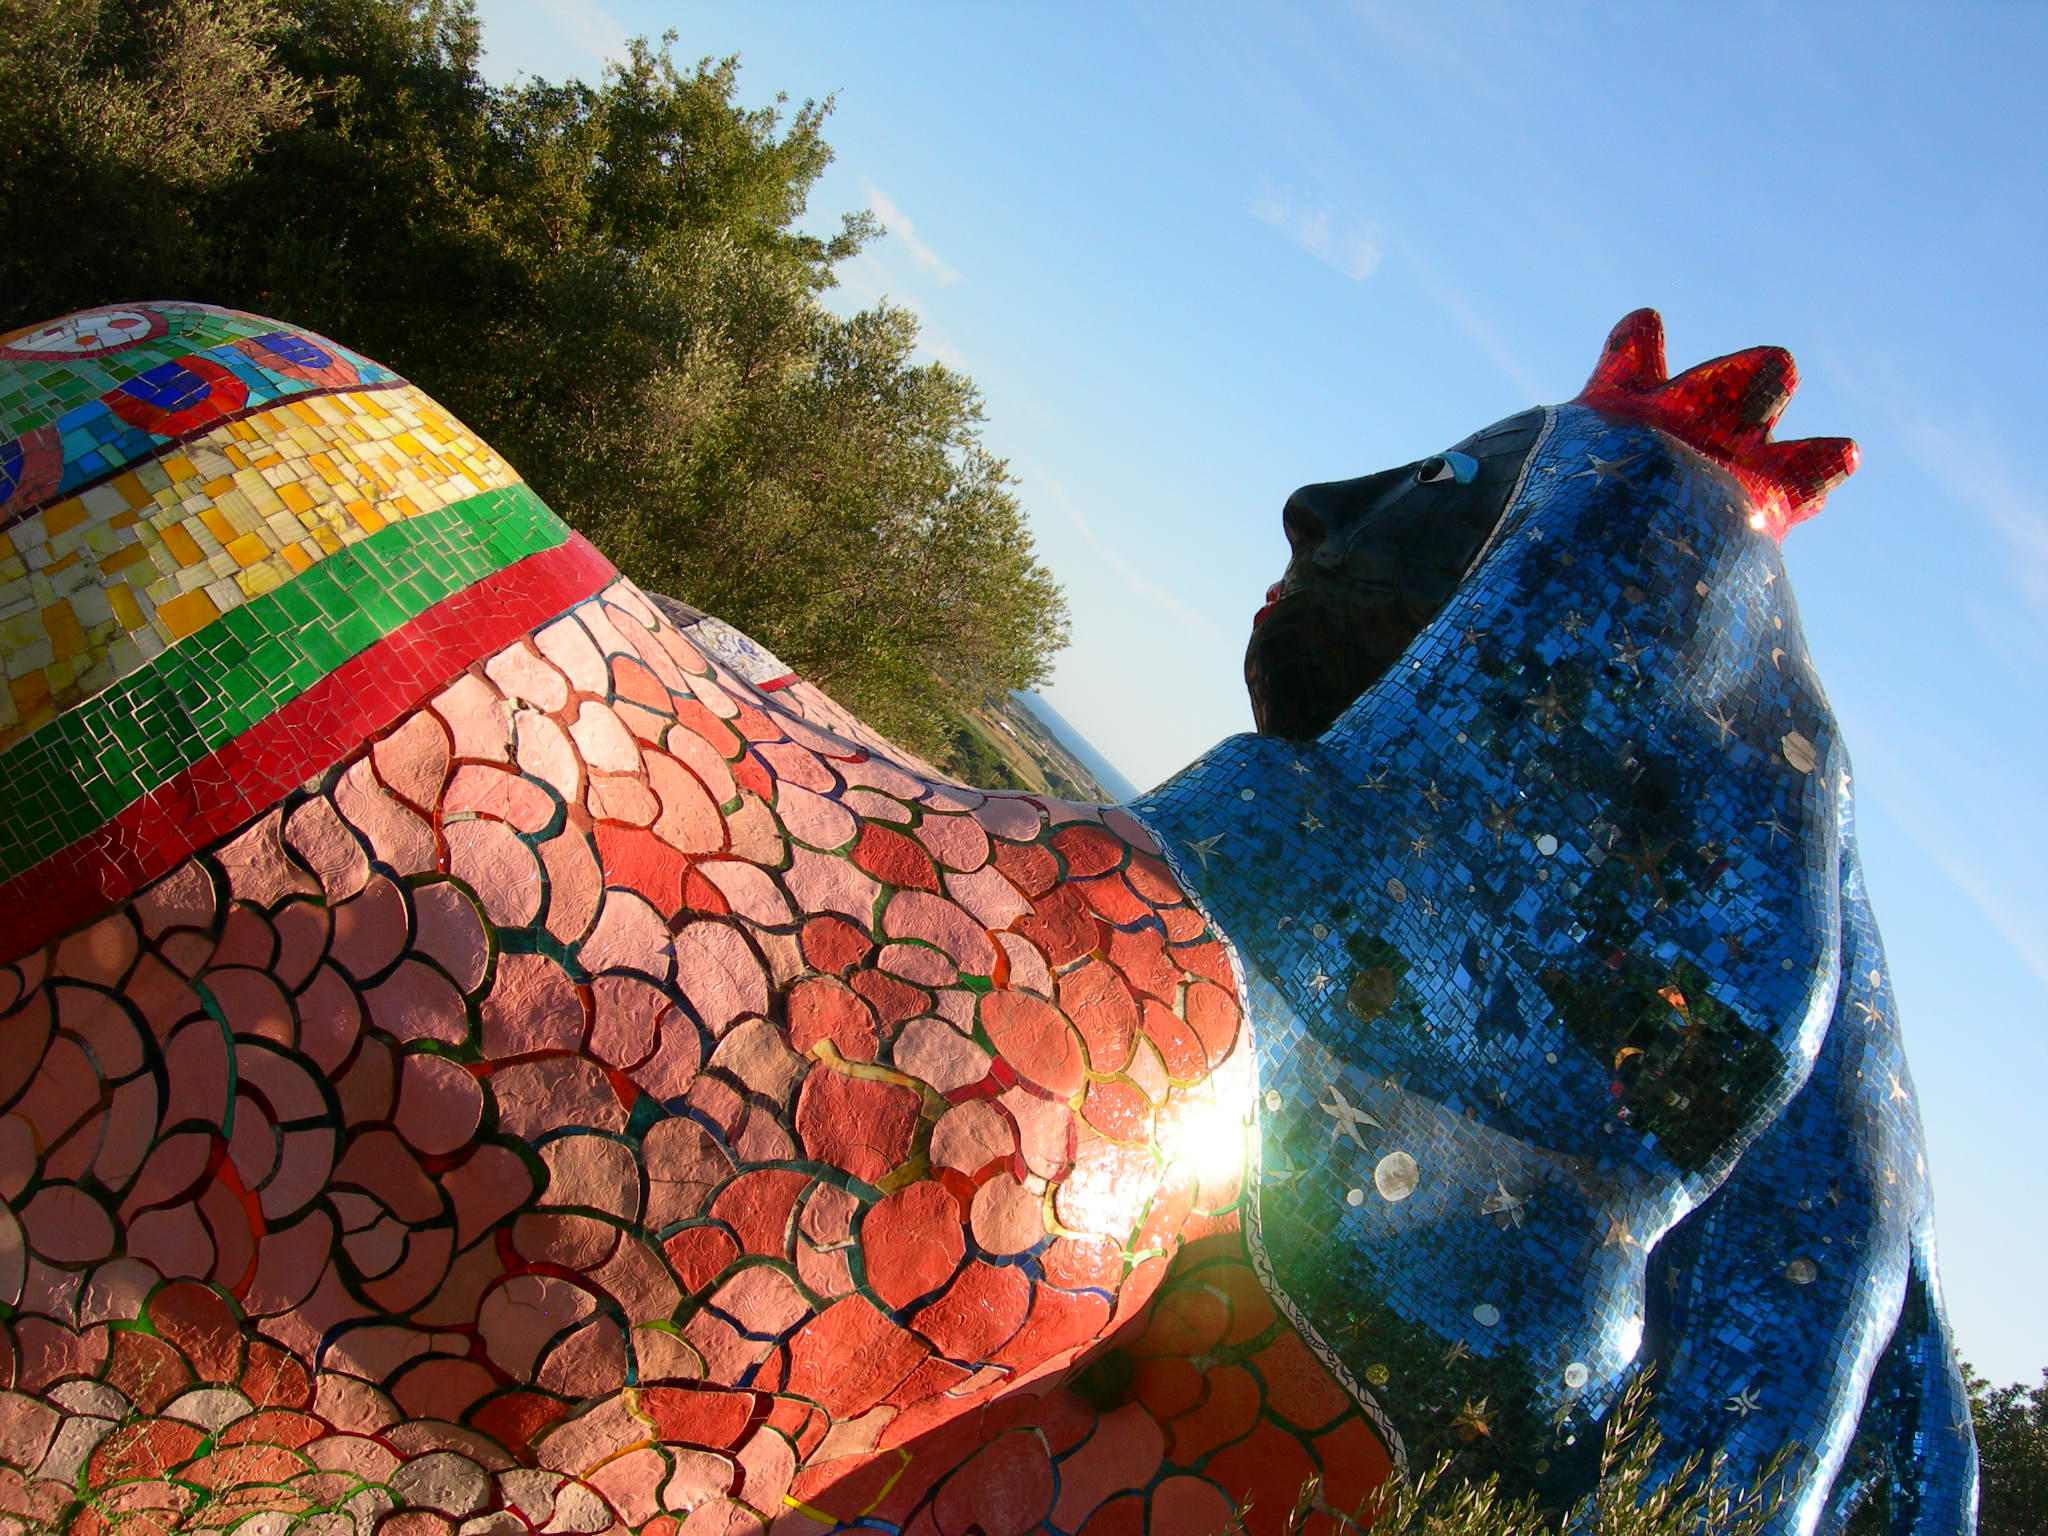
x,y
1374,560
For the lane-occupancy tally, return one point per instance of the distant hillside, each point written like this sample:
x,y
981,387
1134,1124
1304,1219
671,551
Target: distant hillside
x,y
1006,746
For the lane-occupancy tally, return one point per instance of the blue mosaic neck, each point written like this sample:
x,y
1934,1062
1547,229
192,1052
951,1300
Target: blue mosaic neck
x,y
1550,932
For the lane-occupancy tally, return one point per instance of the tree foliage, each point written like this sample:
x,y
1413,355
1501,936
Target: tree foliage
x,y
2012,1448
609,282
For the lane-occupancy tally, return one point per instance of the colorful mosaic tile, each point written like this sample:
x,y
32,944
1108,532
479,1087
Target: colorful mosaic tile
x,y
490,1051
94,586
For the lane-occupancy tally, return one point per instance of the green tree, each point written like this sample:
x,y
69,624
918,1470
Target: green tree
x,y
609,282
2012,1447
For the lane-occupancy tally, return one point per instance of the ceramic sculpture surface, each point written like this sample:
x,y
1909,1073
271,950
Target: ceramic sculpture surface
x,y
483,1050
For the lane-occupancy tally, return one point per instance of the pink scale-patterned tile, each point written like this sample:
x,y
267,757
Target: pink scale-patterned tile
x,y
630,935
593,1173
934,1052
449,930
752,832
259,869
184,898
289,1263
822,884
1006,1217
304,930
813,818
705,755
474,716
370,929
569,647
1013,817
791,763
588,1362
714,695
439,1104
387,1172
623,798
532,1006
956,842
917,964
871,805
936,921
956,1006
874,772
600,619
575,884
417,1002
196,1070
18,1155
543,749
717,970
670,1067
575,1244
246,939
100,954
602,740
749,890
395,833
174,1165
499,794
412,760
172,1241
767,1463
422,1266
688,819
304,1160
1045,1131
252,1145
761,1300
521,675
628,1015
484,1189
322,842
104,1027
755,1056
535,1097
729,1355
637,1279
65,1225
159,993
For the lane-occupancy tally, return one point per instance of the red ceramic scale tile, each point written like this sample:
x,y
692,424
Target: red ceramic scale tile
x,y
1271,1467
722,971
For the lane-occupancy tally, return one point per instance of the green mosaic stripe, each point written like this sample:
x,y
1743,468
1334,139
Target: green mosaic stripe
x,y
71,775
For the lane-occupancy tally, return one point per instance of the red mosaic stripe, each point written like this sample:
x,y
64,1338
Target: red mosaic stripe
x,y
306,737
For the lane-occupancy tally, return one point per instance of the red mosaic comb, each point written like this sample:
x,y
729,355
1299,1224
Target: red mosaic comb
x,y
1726,409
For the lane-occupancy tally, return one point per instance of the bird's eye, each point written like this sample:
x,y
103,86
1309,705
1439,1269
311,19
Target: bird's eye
x,y
1460,468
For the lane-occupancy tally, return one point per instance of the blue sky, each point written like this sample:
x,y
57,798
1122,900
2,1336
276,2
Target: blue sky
x,y
1196,255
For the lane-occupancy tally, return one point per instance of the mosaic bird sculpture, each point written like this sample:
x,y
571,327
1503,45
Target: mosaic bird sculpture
x,y
486,1050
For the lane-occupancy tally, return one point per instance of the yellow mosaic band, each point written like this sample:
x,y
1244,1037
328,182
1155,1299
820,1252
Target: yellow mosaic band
x,y
95,585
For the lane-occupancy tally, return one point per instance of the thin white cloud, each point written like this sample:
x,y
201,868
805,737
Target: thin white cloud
x,y
899,224
1190,620
1950,805
1972,468
1477,331
1350,245
590,27
867,280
